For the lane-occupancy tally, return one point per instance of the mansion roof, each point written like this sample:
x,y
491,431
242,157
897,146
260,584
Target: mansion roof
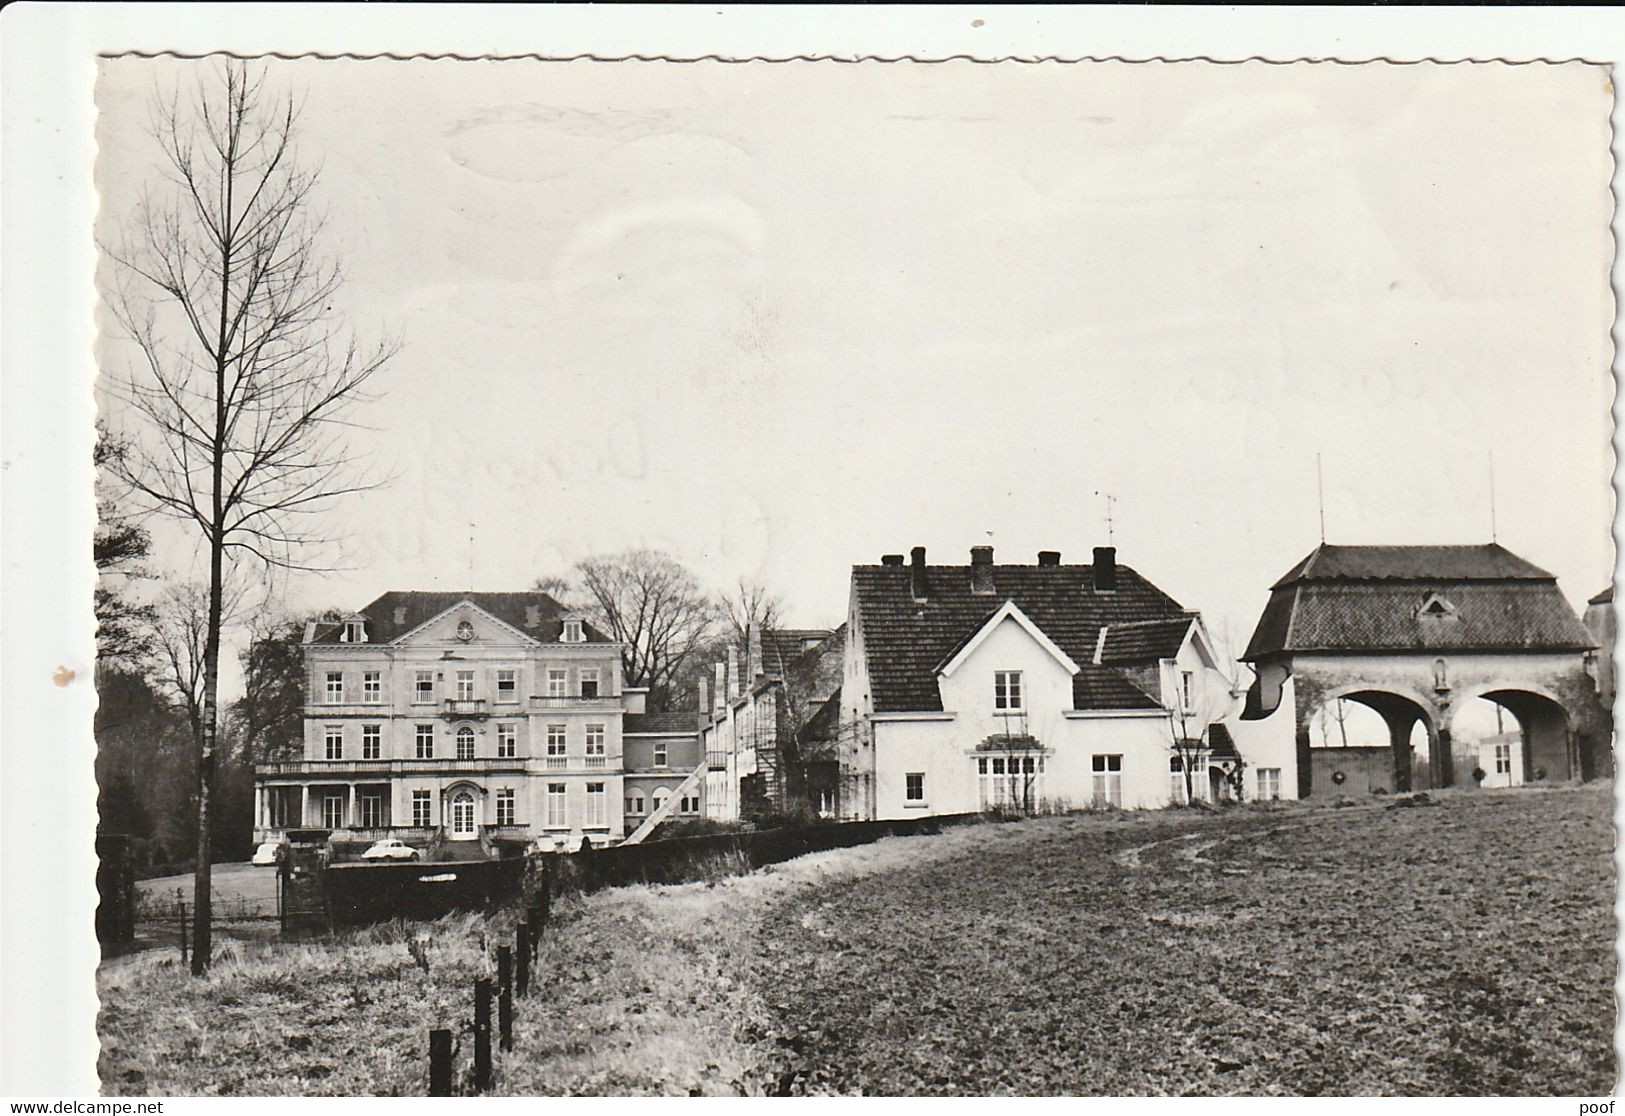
x,y
907,640
397,612
1416,598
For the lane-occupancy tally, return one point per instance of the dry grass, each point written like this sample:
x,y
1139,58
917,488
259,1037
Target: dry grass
x,y
1262,949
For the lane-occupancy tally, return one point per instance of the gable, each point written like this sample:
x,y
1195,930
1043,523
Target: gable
x,y
447,630
1000,629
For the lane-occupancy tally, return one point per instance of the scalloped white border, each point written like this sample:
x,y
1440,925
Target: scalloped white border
x,y
47,68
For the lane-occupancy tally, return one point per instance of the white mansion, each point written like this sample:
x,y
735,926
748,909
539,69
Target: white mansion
x,y
476,717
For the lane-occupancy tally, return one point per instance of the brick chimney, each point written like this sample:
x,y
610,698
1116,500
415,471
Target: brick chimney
x,y
1105,569
891,559
1049,557
755,667
533,615
917,573
705,698
400,615
735,687
981,570
719,698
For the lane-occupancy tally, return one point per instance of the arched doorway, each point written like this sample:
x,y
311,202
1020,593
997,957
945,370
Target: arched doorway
x,y
1513,737
1370,742
463,825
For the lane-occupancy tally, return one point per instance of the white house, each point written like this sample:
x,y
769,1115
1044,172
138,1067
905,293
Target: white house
x,y
975,686
475,717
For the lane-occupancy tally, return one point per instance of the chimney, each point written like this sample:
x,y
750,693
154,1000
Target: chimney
x,y
719,699
891,559
981,569
533,615
753,650
917,573
705,699
734,687
1049,557
400,615
1105,569
310,630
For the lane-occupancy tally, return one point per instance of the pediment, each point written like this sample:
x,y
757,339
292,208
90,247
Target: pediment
x,y
464,624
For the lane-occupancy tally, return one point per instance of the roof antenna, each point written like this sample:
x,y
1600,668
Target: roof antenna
x,y
470,557
1110,500
1320,485
1494,532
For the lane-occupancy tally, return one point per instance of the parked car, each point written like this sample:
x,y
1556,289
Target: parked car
x,y
390,848
266,855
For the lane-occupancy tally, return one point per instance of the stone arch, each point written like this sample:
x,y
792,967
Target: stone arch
x,y
1550,748
1397,768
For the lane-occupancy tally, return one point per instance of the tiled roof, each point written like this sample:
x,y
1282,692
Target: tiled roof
x,y
1145,640
1220,742
1485,562
905,639
1605,597
415,608
826,721
1494,600
667,724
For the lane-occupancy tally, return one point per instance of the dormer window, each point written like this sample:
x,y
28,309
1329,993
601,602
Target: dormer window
x,y
573,632
1436,608
355,631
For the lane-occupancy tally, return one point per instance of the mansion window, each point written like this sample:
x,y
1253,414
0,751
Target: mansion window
x,y
557,815
1269,783
371,741
465,743
1176,779
1108,779
914,787
589,683
425,742
372,811
420,809
689,804
372,687
1007,690
505,813
1503,758
334,739
507,685
333,811
573,632
555,745
555,682
423,692
1187,690
465,685
826,804
660,753
355,631
595,745
634,804
597,805
506,747
1012,780
335,687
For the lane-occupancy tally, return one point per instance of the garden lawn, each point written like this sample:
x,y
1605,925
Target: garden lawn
x,y
1463,947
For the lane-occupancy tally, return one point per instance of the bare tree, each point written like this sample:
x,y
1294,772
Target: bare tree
x,y
649,602
749,604
244,377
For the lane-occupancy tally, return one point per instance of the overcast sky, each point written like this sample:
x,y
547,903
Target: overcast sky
x,y
781,319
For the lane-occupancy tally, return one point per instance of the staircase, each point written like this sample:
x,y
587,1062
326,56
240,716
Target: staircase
x,y
677,794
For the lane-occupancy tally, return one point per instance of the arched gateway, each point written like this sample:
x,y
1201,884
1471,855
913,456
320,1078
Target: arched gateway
x,y
1413,633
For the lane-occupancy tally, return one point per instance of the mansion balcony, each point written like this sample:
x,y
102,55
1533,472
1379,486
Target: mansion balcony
x,y
465,709
716,761
386,768
575,701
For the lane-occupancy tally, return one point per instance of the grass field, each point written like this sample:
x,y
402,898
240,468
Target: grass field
x,y
1462,947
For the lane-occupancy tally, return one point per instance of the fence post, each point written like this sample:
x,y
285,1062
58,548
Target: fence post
x,y
522,956
505,997
439,1062
482,1035
180,905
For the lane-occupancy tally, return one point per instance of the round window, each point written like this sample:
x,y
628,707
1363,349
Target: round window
x,y
465,631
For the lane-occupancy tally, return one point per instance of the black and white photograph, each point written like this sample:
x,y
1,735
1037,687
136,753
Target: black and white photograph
x,y
642,576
